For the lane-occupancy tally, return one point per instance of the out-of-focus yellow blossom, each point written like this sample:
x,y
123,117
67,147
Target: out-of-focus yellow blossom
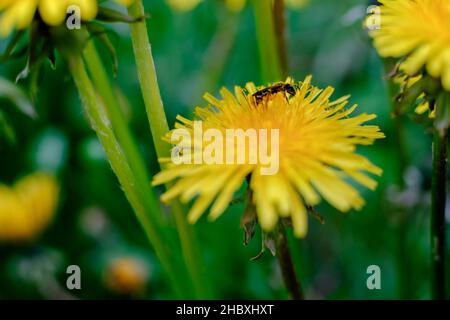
x,y
317,143
28,207
232,5
296,4
183,5
418,30
238,5
126,276
18,14
235,5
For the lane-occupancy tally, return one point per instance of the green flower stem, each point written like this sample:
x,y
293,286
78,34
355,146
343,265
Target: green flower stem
x,y
287,267
98,117
271,69
267,42
159,127
438,196
280,33
148,80
114,110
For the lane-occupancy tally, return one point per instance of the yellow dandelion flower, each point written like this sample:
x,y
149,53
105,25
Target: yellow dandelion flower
x,y
18,14
418,30
316,151
28,207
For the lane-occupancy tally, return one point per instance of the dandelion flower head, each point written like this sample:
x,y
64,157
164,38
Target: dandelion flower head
x,y
317,155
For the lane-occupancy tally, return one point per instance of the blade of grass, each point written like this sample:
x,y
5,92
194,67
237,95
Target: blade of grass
x,y
159,127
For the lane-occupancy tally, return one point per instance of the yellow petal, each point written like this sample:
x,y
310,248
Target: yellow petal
x,y
53,12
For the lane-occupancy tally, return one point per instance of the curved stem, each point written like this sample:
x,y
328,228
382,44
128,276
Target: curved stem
x,y
100,122
438,196
159,127
267,43
120,127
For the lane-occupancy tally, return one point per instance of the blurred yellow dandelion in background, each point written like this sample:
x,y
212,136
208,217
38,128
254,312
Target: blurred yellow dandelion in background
x,y
28,207
296,4
238,5
183,5
235,5
127,276
232,5
317,144
418,30
18,14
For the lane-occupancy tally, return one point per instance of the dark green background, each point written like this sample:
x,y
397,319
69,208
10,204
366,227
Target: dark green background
x,y
325,39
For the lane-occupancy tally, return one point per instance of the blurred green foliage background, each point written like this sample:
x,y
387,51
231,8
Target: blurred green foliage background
x,y
196,52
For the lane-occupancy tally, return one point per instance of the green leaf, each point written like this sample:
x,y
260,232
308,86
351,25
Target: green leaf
x,y
102,34
7,130
11,46
10,91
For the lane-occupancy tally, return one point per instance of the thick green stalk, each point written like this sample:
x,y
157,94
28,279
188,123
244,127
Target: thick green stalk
x,y
267,42
438,196
159,127
121,130
148,79
98,117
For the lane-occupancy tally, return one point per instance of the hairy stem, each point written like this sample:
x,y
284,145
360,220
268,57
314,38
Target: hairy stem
x,y
159,127
113,108
100,122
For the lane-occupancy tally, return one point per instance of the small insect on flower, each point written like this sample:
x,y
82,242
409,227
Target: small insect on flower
x,y
273,90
